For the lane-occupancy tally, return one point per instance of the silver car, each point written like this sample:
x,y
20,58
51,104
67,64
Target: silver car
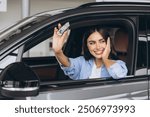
x,y
40,76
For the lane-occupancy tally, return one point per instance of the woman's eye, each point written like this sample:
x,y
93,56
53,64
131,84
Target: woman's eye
x,y
102,41
91,43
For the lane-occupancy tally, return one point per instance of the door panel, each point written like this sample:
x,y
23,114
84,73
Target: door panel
x,y
127,89
44,67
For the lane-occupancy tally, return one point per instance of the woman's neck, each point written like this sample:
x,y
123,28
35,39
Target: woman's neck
x,y
98,62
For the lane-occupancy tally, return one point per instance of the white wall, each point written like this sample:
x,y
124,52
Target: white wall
x,y
43,5
13,13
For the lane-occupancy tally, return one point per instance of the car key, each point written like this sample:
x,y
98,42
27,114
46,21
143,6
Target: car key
x,y
63,28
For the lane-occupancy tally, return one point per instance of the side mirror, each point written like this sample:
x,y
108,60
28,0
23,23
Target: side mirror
x,y
18,80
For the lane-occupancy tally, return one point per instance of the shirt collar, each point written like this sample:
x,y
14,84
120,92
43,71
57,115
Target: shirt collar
x,y
91,62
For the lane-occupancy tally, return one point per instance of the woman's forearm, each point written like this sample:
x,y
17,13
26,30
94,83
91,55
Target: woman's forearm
x,y
63,59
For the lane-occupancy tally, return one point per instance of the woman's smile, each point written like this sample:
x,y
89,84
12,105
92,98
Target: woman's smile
x,y
99,51
96,44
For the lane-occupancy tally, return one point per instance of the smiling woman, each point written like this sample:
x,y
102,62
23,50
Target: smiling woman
x,y
95,59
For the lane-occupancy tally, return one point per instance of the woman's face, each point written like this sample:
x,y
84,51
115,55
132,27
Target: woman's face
x,y
96,44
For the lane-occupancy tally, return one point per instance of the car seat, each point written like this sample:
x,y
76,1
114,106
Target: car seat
x,y
121,44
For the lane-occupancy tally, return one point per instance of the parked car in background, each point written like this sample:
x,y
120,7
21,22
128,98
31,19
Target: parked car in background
x,y
39,76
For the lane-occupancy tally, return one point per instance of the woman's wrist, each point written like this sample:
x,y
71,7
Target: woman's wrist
x,y
58,52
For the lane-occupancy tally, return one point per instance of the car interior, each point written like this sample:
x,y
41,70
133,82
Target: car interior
x,y
76,49
48,68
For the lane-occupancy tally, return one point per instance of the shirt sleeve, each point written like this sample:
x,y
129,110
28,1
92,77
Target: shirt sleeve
x,y
118,70
74,69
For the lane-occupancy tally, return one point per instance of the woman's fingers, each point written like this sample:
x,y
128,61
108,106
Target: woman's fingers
x,y
59,26
107,49
108,43
58,40
65,34
55,30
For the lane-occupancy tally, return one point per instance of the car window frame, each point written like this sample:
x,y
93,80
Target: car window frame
x,y
76,23
131,40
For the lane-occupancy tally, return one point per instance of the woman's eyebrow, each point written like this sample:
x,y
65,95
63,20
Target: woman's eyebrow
x,y
91,41
101,39
94,40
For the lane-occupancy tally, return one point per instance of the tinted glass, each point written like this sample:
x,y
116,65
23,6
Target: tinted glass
x,y
141,66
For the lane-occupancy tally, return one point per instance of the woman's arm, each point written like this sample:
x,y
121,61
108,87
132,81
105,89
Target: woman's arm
x,y
58,42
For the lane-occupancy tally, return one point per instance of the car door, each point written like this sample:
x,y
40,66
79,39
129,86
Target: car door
x,y
131,87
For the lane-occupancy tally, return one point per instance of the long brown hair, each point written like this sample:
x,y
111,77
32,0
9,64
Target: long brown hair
x,y
87,55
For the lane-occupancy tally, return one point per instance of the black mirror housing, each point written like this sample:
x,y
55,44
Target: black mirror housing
x,y
19,80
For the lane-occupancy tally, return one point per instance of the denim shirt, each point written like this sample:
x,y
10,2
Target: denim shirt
x,y
81,69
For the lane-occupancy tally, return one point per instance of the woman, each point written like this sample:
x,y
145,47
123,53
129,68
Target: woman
x,y
95,63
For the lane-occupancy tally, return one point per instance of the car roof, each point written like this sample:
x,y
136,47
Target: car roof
x,y
143,1
116,3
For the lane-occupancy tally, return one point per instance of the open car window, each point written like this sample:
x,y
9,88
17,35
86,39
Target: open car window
x,y
46,65
44,51
74,46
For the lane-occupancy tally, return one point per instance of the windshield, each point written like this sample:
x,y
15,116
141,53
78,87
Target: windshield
x,y
25,24
18,28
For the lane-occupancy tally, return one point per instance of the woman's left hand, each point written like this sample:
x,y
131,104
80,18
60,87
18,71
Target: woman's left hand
x,y
107,50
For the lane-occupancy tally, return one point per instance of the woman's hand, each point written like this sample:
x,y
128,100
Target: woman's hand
x,y
107,62
107,50
58,40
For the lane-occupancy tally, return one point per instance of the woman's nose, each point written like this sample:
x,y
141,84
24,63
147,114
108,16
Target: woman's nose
x,y
98,46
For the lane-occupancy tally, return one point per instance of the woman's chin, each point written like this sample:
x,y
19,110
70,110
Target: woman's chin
x,y
98,56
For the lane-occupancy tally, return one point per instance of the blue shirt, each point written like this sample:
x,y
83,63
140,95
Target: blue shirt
x,y
81,69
